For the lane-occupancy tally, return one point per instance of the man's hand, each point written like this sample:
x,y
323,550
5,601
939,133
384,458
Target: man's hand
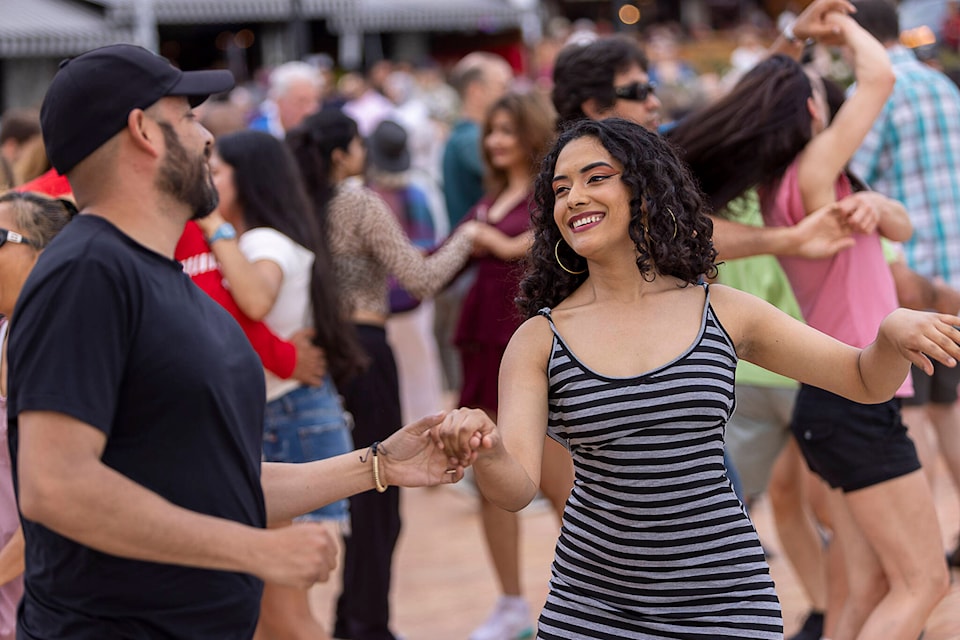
x,y
299,555
311,363
822,234
815,21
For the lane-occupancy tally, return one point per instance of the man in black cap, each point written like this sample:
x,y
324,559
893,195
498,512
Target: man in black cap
x,y
136,403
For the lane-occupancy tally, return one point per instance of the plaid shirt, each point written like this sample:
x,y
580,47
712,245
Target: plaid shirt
x,y
912,154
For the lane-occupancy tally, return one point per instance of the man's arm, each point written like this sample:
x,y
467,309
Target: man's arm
x,y
820,235
917,292
65,486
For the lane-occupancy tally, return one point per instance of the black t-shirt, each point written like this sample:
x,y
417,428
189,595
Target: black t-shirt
x,y
117,336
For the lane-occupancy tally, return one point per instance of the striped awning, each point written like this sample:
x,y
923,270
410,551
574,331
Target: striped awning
x,y
53,28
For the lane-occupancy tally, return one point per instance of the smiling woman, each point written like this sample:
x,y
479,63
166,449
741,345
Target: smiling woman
x,y
665,224
630,365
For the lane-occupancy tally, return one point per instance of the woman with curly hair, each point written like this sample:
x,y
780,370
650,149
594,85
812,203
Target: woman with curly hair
x,y
628,360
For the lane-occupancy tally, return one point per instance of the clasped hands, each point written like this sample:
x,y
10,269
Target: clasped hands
x,y
465,434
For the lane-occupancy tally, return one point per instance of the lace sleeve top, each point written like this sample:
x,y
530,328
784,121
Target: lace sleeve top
x,y
367,245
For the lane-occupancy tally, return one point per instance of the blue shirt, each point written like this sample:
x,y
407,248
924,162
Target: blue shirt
x,y
912,154
462,170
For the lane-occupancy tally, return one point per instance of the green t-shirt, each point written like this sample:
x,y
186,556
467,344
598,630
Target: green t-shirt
x,y
760,276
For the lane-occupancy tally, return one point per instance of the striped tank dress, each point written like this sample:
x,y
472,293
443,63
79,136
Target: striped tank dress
x,y
654,542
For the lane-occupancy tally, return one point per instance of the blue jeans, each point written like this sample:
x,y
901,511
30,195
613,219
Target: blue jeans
x,y
308,424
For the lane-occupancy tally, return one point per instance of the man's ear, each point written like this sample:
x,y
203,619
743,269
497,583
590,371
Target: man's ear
x,y
144,132
591,108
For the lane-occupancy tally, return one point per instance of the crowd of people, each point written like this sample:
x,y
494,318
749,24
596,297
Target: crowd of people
x,y
225,324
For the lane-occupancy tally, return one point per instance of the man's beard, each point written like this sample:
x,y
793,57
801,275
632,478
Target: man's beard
x,y
186,178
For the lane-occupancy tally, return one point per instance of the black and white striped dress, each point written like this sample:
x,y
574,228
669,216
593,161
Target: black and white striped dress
x,y
654,543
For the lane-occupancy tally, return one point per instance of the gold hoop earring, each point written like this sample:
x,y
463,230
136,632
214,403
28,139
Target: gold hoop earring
x,y
556,254
674,223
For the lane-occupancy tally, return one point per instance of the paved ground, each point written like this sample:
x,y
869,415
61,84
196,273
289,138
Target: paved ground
x,y
444,586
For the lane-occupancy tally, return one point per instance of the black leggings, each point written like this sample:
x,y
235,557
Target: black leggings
x,y
373,398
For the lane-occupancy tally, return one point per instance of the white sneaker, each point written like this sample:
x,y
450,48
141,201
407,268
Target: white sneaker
x,y
510,620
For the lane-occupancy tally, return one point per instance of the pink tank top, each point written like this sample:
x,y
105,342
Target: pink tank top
x,y
846,296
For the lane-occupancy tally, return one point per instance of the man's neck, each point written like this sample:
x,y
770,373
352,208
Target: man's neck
x,y
150,224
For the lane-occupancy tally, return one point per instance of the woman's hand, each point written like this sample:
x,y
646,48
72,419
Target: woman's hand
x,y
411,457
465,433
919,336
209,223
816,22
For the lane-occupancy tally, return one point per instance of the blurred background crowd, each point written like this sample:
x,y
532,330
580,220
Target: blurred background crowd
x,y
416,77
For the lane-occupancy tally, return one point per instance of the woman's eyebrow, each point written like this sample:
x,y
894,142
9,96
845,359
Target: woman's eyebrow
x,y
589,167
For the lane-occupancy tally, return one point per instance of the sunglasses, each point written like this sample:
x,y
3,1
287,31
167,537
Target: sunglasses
x,y
12,236
637,91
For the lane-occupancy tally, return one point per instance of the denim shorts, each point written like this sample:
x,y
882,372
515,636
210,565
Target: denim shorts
x,y
308,424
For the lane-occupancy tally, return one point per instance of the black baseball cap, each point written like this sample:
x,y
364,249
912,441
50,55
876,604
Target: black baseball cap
x,y
92,95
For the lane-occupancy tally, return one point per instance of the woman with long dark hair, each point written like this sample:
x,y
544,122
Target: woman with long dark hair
x,y
629,361
278,271
367,245
774,131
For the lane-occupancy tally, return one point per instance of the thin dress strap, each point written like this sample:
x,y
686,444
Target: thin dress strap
x,y
545,312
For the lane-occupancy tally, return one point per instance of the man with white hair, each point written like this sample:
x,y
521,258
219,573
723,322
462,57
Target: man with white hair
x,y
296,89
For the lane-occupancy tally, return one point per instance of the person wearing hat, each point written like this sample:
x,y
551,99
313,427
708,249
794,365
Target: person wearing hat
x,y
410,326
136,403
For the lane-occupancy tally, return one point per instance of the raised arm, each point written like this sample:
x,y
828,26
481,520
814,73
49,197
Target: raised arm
x,y
253,285
811,23
826,155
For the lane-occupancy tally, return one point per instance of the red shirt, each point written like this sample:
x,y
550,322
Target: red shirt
x,y
51,183
278,356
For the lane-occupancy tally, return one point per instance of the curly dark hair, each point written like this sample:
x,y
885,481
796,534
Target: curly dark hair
x,y
672,233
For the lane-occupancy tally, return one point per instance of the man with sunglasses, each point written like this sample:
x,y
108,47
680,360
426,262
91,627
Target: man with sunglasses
x,y
608,78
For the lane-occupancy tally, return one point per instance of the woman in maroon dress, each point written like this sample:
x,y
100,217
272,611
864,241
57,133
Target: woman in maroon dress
x,y
517,131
